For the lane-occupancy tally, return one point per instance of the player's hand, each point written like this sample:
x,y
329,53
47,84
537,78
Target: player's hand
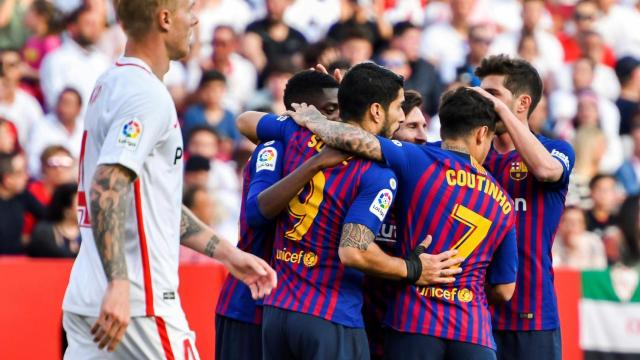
x,y
497,103
303,113
337,74
330,157
114,317
440,268
253,271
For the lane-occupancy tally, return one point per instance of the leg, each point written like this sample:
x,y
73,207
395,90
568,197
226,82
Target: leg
x,y
413,346
274,338
463,350
237,340
80,340
529,345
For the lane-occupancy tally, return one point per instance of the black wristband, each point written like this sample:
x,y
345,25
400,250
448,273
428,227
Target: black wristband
x,y
414,265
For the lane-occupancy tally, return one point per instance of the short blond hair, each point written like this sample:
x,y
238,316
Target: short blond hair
x,y
137,16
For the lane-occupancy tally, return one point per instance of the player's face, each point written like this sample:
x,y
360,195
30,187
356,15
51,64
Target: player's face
x,y
494,85
184,20
393,116
413,129
327,104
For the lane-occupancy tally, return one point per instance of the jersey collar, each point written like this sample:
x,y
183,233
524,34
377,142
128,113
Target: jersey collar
x,y
133,61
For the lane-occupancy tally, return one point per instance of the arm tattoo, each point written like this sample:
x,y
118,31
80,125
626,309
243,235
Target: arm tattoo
x,y
356,236
110,201
189,226
211,246
346,137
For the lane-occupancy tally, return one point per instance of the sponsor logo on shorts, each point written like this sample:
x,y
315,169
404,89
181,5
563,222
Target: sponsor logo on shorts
x,y
169,295
307,258
381,203
267,158
451,294
130,134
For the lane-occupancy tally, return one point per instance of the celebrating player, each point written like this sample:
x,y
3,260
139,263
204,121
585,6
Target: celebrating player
x,y
123,289
239,316
443,191
535,171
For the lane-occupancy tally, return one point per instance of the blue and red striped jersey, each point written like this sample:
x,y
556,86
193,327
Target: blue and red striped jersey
x,y
538,207
311,278
263,170
450,196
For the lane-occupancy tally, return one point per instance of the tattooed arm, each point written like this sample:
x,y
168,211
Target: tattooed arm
x,y
110,201
358,250
250,269
341,136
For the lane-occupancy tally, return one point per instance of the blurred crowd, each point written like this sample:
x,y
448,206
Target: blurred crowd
x,y
243,53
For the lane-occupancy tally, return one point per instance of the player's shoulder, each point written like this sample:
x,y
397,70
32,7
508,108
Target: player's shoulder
x,y
549,142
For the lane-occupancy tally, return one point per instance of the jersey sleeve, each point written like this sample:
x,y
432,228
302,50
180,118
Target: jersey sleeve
x,y
266,170
274,127
504,264
396,154
137,128
563,152
375,196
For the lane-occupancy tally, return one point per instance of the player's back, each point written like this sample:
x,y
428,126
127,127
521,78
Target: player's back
x,y
131,121
449,196
311,278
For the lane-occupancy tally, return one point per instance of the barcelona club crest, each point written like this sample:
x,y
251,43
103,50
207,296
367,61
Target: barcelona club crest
x,y
518,170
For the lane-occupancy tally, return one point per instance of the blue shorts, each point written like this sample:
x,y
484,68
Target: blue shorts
x,y
525,345
407,346
237,340
293,335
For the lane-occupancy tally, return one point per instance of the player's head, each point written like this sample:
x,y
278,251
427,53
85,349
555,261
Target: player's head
x,y
314,88
514,81
173,20
13,173
470,118
414,127
372,96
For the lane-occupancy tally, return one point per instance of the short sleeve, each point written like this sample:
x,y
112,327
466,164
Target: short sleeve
x,y
395,154
375,196
137,128
274,127
504,264
563,152
266,170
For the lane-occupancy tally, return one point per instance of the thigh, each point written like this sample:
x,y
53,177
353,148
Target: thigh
x,y
79,338
237,340
463,350
274,341
529,345
413,346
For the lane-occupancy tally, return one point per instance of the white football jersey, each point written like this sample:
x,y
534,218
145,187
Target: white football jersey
x,y
131,120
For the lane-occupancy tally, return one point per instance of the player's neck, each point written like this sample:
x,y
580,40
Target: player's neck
x,y
151,52
454,145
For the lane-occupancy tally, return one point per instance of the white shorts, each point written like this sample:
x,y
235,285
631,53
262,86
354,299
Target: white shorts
x,y
146,338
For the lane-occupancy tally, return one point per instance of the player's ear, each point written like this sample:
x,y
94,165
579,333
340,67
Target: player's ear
x,y
377,112
481,134
523,103
164,19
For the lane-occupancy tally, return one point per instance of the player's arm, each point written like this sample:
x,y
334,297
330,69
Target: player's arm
x,y
358,250
503,269
544,167
110,200
277,196
247,124
250,269
341,136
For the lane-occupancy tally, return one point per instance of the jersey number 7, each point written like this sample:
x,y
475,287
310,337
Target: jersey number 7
x,y
307,210
479,228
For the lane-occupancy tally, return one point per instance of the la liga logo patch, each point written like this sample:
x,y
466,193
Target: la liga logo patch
x,y
267,158
381,203
130,134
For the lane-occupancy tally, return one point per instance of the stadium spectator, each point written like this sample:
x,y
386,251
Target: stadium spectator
x,y
16,105
629,173
444,44
355,44
628,73
271,96
198,200
44,21
617,24
575,247
58,168
61,127
424,77
480,38
59,235
13,34
14,203
196,172
8,137
270,38
240,73
313,17
234,15
357,14
590,145
628,224
76,63
210,111
606,199
396,61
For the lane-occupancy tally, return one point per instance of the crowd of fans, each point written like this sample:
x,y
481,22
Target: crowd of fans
x,y
243,53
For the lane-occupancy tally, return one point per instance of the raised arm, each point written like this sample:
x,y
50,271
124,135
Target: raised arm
x,y
358,250
341,136
250,269
110,200
247,124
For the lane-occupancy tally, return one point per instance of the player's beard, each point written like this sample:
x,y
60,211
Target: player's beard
x,y
387,131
